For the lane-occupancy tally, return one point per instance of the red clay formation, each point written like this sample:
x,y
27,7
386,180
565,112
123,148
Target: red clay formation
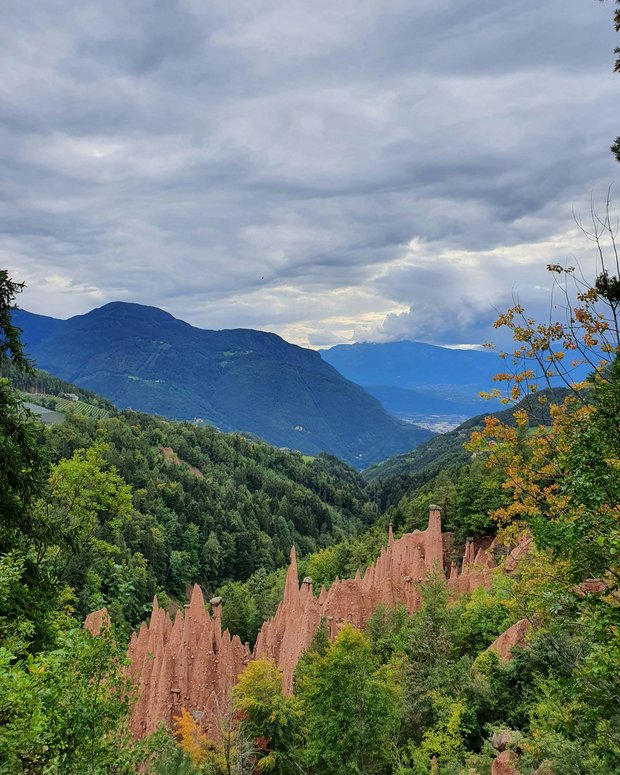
x,y
97,621
190,663
513,636
503,764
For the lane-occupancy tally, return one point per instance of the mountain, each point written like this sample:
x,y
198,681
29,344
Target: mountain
x,y
244,380
414,380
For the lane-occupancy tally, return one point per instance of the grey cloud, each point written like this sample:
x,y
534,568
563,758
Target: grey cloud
x,y
268,164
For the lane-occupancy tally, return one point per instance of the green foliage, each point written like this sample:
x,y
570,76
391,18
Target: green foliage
x,y
478,494
351,708
453,722
80,524
11,347
445,699
86,500
22,467
558,739
165,757
239,614
246,605
268,717
64,711
434,664
15,628
389,631
468,492
484,616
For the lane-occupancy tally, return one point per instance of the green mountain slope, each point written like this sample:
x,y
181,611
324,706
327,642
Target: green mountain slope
x,y
237,380
208,506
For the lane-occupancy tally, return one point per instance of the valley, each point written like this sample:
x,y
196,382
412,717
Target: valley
x,y
417,381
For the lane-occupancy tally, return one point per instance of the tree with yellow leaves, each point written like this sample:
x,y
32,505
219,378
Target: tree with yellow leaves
x,y
564,482
191,738
269,718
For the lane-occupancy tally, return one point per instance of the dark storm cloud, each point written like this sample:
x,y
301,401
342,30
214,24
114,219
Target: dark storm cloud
x,y
381,169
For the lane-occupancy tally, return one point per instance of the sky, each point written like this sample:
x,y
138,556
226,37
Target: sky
x,y
333,171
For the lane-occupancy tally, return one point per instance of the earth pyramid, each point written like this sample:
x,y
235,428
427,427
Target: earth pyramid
x,y
190,663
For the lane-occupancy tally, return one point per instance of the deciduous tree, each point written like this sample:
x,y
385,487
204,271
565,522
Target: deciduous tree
x,y
269,718
350,707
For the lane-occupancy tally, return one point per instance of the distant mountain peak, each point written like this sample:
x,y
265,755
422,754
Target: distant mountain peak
x,y
117,308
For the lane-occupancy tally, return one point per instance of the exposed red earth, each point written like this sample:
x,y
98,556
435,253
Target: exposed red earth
x,y
190,663
513,636
505,764
170,456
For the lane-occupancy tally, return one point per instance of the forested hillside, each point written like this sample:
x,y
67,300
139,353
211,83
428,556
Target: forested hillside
x,y
206,507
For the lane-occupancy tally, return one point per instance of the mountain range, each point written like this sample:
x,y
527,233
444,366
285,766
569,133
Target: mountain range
x,y
414,380
237,380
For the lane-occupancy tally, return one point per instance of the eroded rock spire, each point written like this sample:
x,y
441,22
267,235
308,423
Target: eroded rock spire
x,y
191,663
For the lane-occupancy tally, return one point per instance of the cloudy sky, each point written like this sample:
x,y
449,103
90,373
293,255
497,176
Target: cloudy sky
x,y
332,170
